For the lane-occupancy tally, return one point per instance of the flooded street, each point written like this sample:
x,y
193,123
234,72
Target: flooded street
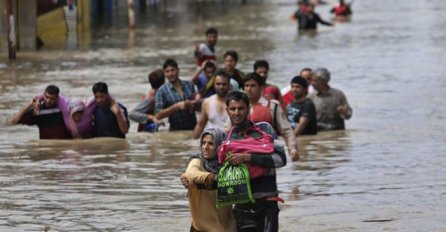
x,y
386,172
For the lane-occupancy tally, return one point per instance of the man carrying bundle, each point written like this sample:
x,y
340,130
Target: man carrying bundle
x,y
264,213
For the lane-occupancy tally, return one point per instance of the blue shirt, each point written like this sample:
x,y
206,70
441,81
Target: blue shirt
x,y
106,124
201,85
167,95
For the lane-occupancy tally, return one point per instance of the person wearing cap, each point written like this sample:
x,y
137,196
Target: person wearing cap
x,y
301,111
306,74
332,107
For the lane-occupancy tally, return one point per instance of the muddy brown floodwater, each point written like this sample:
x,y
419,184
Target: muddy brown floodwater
x,y
386,172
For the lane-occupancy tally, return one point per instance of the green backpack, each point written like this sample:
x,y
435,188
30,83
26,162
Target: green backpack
x,y
233,185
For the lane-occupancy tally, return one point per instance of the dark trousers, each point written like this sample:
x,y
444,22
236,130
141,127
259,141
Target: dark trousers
x,y
261,216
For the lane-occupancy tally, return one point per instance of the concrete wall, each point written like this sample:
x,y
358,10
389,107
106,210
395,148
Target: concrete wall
x,y
26,25
25,14
3,42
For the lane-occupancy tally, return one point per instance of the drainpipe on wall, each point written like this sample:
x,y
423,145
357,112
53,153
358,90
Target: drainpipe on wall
x,y
131,14
10,29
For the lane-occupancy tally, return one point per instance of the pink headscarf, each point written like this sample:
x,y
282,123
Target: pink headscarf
x,y
75,105
83,128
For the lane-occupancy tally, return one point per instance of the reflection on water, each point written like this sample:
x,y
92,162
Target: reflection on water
x,y
384,173
319,155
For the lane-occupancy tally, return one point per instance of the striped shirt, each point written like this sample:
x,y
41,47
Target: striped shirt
x,y
49,121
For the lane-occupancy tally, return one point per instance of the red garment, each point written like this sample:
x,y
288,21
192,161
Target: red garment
x,y
341,10
261,113
275,91
288,98
272,90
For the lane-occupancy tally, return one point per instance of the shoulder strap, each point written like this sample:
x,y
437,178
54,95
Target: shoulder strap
x,y
257,129
274,113
228,137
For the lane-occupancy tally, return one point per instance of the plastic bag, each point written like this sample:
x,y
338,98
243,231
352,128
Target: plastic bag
x,y
233,185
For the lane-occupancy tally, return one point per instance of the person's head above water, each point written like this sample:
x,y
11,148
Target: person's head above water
x,y
100,91
237,107
212,36
76,108
210,140
261,67
156,78
171,70
320,79
50,96
322,74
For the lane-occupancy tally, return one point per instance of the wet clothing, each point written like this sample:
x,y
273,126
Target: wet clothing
x,y
83,128
262,113
203,197
50,122
206,53
215,120
308,21
167,96
271,112
140,112
205,215
303,109
288,96
327,116
262,216
264,186
342,10
105,123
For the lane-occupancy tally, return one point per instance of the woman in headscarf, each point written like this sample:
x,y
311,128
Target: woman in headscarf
x,y
273,93
80,118
202,173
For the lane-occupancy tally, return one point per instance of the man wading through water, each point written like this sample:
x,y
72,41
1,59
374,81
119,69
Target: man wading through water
x,y
264,213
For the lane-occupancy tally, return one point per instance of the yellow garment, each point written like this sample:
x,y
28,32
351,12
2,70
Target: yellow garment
x,y
205,215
